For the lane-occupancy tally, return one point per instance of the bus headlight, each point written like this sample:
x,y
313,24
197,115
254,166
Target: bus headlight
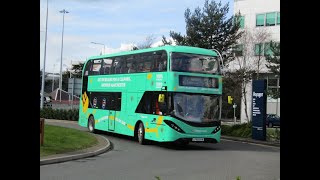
x,y
216,130
174,126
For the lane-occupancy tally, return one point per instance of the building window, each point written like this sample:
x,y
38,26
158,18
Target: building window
x,y
272,83
271,19
258,49
238,50
242,22
268,19
260,19
267,49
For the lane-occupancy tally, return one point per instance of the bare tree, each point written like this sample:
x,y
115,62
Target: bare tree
x,y
246,69
165,41
260,37
146,43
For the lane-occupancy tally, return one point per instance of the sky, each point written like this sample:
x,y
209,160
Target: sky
x,y
115,25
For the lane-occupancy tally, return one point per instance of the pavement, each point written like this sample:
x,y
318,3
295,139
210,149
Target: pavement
x,y
104,145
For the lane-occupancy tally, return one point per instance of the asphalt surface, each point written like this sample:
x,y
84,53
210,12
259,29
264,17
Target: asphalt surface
x,y
128,160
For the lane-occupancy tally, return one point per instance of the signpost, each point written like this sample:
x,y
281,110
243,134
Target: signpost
x,y
230,100
259,102
234,112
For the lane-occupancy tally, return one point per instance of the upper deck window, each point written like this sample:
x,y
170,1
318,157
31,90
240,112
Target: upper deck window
x,y
184,62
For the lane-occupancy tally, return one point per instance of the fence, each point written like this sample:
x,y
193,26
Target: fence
x,y
65,104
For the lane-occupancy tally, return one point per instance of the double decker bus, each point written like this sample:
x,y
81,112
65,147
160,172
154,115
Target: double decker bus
x,y
163,94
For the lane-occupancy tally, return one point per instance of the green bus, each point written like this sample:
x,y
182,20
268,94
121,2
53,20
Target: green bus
x,y
163,94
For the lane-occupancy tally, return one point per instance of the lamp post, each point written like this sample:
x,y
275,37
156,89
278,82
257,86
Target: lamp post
x,y
53,77
44,61
104,47
60,82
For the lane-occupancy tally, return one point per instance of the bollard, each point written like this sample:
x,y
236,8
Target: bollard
x,y
41,131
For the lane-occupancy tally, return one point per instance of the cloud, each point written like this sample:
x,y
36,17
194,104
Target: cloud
x,y
117,24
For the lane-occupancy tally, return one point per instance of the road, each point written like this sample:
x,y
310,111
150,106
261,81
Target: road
x,y
129,160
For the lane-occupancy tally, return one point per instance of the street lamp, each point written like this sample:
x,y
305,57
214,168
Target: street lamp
x,y
44,61
53,77
104,47
60,82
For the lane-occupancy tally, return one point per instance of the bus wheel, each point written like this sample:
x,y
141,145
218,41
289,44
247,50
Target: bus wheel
x,y
140,134
91,124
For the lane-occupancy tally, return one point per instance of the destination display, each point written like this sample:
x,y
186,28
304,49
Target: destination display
x,y
195,81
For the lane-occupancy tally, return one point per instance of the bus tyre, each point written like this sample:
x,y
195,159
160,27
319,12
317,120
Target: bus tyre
x,y
140,134
91,124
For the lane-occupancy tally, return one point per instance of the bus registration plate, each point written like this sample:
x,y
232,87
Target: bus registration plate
x,y
197,139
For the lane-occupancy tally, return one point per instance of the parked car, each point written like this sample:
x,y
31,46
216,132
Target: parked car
x,y
272,120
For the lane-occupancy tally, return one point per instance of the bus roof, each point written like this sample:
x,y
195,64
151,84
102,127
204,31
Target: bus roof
x,y
168,48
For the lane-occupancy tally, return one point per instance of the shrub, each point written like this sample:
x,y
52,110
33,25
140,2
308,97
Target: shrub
x,y
273,134
62,114
238,130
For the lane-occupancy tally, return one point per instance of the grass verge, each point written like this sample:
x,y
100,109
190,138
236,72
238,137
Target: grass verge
x,y
60,140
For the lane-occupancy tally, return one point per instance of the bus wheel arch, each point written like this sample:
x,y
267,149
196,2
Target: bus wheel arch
x,y
91,124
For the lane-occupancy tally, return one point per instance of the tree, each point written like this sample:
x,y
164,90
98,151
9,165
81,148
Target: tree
x,y
65,80
74,72
273,64
210,28
273,59
249,62
146,43
165,41
260,36
231,79
245,70
77,70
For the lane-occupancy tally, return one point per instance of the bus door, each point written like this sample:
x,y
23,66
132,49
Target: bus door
x,y
111,120
115,107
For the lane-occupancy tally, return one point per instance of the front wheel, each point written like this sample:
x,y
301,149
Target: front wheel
x,y
91,124
140,134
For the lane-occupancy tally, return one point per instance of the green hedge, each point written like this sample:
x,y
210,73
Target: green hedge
x,y
245,131
238,130
62,114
